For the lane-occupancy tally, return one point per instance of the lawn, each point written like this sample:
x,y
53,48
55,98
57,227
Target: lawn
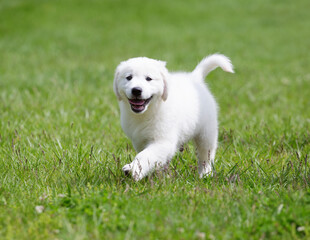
x,y
62,147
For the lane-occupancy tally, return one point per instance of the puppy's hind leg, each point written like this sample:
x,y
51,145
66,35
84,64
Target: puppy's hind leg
x,y
206,148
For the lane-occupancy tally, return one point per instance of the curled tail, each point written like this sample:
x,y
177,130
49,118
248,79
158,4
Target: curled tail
x,y
211,62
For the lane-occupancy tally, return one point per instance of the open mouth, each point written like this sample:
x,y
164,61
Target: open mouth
x,y
138,105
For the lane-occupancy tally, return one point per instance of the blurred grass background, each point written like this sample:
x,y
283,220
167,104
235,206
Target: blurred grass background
x,y
60,131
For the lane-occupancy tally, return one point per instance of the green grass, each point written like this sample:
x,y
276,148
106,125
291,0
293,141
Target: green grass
x,y
62,147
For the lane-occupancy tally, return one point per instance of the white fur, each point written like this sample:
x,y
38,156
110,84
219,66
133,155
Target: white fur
x,y
182,108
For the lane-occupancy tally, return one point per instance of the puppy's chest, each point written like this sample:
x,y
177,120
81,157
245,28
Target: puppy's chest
x,y
141,132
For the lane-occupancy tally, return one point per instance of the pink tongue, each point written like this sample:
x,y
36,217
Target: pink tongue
x,y
138,102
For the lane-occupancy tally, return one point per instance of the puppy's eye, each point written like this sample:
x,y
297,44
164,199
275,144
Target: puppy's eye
x,y
129,77
148,79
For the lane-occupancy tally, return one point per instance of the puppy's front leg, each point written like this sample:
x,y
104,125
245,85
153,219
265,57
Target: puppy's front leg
x,y
154,155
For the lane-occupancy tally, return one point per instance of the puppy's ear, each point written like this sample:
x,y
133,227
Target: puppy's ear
x,y
164,74
165,92
115,88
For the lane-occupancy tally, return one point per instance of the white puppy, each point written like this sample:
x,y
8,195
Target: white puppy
x,y
160,111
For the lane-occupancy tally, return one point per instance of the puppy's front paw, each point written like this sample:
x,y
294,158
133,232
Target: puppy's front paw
x,y
140,168
136,170
126,169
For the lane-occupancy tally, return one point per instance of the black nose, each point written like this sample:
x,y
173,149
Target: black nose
x,y
136,91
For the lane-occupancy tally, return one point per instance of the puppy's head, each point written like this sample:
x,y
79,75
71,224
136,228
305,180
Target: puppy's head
x,y
141,81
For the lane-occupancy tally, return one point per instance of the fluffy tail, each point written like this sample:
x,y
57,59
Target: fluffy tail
x,y
211,62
